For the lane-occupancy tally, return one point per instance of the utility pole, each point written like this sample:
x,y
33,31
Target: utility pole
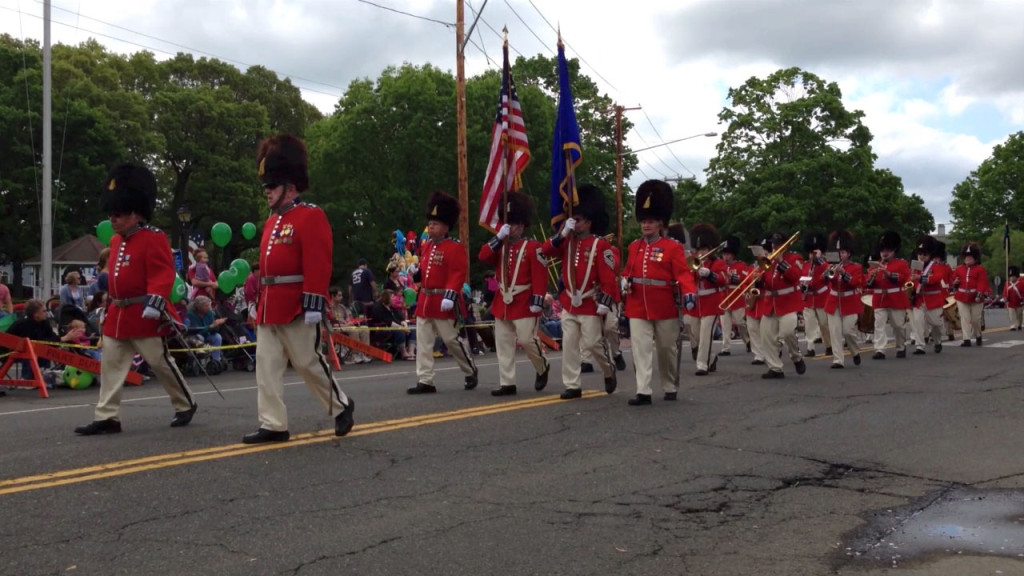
x,y
46,227
460,114
618,166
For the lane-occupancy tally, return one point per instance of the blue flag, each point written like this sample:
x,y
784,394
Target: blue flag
x,y
566,154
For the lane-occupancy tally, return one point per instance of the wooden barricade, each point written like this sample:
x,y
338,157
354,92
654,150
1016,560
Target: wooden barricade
x,y
24,349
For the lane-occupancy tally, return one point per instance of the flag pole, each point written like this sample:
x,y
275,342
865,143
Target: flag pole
x,y
1006,250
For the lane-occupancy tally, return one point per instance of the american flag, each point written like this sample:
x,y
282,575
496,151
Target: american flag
x,y
510,151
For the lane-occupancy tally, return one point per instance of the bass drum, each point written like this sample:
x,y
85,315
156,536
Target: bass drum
x,y
951,317
866,320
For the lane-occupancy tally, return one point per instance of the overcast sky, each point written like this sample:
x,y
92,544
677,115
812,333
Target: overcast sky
x,y
940,81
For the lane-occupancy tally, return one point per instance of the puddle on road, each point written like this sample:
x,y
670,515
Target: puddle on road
x,y
960,521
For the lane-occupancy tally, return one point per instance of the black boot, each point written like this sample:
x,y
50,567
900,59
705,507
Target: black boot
x,y
344,421
772,375
542,379
570,393
801,367
586,367
422,388
109,426
610,383
184,417
670,396
620,362
640,400
263,435
471,380
978,340
828,351
504,391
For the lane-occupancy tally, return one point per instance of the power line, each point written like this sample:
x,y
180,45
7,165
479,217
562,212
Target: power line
x,y
496,33
529,28
656,133
578,55
447,24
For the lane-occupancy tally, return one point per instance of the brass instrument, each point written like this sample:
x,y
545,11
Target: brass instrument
x,y
882,266
697,262
830,272
763,264
911,291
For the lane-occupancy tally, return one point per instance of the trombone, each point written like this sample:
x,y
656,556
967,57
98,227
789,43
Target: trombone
x,y
762,266
697,262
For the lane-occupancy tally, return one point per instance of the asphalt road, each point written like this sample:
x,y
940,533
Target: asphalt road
x,y
740,476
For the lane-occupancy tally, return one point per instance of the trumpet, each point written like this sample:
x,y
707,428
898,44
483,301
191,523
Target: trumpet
x,y
830,272
911,291
763,264
697,262
882,266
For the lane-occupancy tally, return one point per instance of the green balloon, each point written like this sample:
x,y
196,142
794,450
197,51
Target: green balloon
x,y
6,322
227,280
241,266
248,230
177,289
221,234
105,231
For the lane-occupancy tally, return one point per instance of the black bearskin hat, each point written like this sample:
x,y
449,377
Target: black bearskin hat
x,y
600,224
925,245
972,249
654,201
130,189
443,208
591,204
1013,271
282,160
889,240
704,236
518,209
840,240
732,245
940,250
774,240
814,241
766,244
677,232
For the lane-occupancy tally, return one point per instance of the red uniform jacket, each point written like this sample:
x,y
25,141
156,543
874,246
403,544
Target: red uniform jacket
x,y
141,274
598,286
888,289
710,289
653,269
971,283
295,264
442,272
933,285
522,280
845,294
1013,292
780,294
817,289
737,271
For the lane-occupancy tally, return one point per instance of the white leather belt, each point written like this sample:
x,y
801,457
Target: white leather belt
x,y
707,291
966,290
821,290
888,290
271,280
649,282
843,294
782,292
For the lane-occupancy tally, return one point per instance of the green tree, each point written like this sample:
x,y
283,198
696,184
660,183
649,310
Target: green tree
x,y
793,158
993,194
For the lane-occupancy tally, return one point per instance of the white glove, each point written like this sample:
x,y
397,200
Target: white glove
x,y
150,313
313,317
704,272
447,304
603,310
504,231
568,227
535,309
624,285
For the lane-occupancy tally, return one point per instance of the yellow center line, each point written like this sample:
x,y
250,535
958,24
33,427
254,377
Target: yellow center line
x,y
124,467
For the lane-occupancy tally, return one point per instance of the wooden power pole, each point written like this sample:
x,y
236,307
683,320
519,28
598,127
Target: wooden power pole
x,y
460,113
618,166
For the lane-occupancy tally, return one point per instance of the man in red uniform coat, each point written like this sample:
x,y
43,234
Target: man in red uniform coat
x,y
779,303
970,285
141,275
710,279
815,293
736,270
295,267
440,274
522,283
610,326
588,274
655,267
753,311
889,298
930,294
1013,293
842,304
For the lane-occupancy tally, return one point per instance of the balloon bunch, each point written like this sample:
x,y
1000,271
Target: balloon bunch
x,y
234,276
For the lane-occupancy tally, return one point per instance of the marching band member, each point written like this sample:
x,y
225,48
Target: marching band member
x,y
610,326
754,312
141,275
654,265
843,304
710,277
889,300
1014,301
736,271
970,285
815,319
780,301
522,283
295,274
441,273
930,295
588,276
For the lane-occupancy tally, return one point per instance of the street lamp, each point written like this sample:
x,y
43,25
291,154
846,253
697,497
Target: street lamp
x,y
184,218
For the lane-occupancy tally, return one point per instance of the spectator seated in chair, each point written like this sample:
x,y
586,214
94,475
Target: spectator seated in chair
x,y
384,315
202,322
340,318
36,326
551,317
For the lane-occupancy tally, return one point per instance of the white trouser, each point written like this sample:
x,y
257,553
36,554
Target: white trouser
x,y
115,363
730,318
427,329
646,337
816,326
885,316
756,343
506,332
610,326
1015,317
583,332
927,323
702,328
843,329
970,318
777,331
